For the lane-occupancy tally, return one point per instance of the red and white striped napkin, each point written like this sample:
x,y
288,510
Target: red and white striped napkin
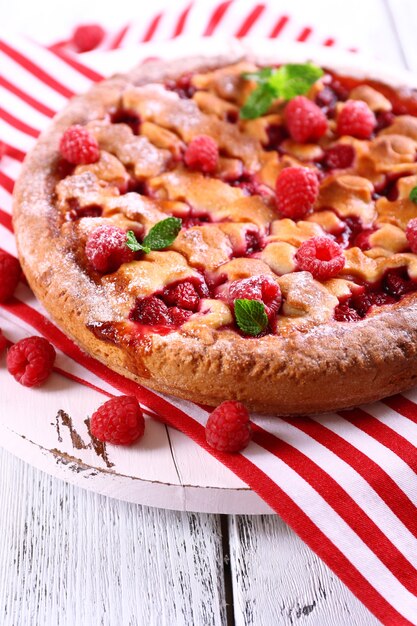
x,y
346,483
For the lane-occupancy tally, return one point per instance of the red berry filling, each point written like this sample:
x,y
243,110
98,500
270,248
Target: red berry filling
x,y
411,234
106,249
173,306
296,191
321,256
182,86
305,120
202,154
3,343
344,313
276,135
183,295
339,157
130,118
76,212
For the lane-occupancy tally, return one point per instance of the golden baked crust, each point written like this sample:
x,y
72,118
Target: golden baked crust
x,y
313,363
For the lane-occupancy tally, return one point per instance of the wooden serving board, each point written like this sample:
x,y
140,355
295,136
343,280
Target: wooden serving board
x,y
48,427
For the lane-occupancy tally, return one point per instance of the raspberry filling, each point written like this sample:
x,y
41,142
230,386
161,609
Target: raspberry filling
x,y
182,86
172,307
130,118
394,286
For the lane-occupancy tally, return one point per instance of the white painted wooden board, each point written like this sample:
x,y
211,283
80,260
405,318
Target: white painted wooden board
x,y
69,557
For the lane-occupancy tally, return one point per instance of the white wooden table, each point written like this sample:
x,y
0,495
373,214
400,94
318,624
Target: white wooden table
x,y
69,557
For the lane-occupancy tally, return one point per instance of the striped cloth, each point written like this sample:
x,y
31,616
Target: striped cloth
x,y
346,483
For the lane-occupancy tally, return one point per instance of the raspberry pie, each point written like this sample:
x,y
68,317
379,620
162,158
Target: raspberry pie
x,y
226,229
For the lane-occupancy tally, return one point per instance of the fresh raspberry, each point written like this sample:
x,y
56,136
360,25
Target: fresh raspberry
x,y
152,311
106,249
87,37
228,428
182,295
262,288
305,120
296,191
343,313
202,154
3,342
356,119
363,302
339,157
31,360
10,273
411,234
118,421
321,256
78,146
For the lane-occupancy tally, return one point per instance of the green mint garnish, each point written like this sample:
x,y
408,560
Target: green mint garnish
x,y
285,82
160,236
250,316
413,195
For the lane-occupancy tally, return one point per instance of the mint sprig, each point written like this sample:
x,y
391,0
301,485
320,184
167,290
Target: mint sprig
x,y
285,82
413,195
160,236
250,316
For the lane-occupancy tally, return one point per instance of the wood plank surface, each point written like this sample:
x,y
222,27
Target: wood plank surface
x,y
279,581
69,557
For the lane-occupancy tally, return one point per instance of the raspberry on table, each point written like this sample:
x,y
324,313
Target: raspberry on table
x,y
31,360
305,120
10,273
3,342
87,37
182,295
356,119
339,157
202,154
78,146
228,428
321,256
296,191
411,234
106,249
262,288
151,311
119,421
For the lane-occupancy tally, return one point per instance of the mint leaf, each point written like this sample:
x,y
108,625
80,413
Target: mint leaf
x,y
284,82
134,244
163,233
413,195
295,79
258,102
250,316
